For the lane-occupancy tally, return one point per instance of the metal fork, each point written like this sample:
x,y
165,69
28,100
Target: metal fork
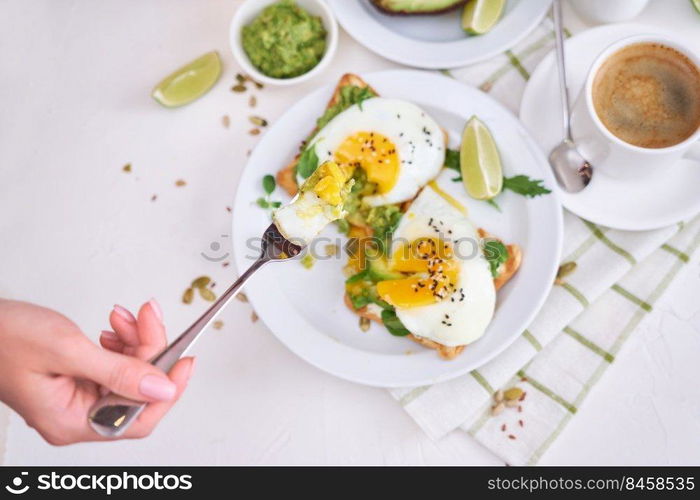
x,y
112,414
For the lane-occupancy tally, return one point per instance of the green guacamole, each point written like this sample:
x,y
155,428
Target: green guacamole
x,y
284,41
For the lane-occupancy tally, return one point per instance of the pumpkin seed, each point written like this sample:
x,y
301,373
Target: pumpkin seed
x,y
364,324
513,394
188,296
566,269
238,88
207,294
240,78
256,120
242,297
201,282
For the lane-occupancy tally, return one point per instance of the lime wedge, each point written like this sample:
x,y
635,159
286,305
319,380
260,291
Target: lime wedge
x,y
189,82
696,4
480,162
479,16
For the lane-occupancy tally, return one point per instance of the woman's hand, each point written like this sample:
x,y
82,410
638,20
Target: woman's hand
x,y
51,374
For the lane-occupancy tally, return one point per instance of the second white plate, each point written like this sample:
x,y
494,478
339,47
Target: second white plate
x,y
435,41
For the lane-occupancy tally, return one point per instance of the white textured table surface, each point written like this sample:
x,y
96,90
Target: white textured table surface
x,y
78,235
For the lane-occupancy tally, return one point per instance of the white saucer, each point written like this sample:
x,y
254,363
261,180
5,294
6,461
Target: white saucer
x,y
642,204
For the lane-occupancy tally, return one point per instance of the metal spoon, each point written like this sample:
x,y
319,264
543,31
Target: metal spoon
x,y
572,171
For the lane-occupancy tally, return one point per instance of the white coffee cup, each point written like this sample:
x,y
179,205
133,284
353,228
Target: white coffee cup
x,y
606,151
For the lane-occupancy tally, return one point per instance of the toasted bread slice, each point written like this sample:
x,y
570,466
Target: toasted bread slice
x,y
508,269
285,177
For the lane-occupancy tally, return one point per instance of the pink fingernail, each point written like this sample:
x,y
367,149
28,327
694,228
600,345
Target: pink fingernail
x,y
124,314
156,309
155,387
108,334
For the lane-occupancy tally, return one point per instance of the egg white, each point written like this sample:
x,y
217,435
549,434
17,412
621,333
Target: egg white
x,y
419,142
468,317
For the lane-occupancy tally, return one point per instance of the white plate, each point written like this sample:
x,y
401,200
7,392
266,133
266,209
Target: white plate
x,y
304,308
646,203
435,41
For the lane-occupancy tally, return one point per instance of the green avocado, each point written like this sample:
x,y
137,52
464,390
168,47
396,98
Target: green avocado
x,y
407,7
379,270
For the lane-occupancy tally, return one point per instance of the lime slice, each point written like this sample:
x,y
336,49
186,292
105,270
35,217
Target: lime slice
x,y
696,4
480,162
479,16
189,82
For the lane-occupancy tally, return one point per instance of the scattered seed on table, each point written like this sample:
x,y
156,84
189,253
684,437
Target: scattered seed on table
x,y
240,78
127,168
520,409
511,403
188,296
228,209
226,121
510,436
200,282
252,101
503,428
258,121
522,398
180,183
238,88
498,397
497,409
521,423
513,393
225,264
218,324
254,131
154,197
253,316
207,294
242,297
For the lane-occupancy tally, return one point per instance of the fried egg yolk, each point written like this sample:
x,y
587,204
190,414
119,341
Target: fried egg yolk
x,y
375,154
434,274
330,186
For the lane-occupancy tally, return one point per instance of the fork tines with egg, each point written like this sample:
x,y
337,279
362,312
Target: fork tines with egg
x,y
416,262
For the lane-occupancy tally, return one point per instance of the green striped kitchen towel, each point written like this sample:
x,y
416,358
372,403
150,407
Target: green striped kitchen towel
x,y
587,317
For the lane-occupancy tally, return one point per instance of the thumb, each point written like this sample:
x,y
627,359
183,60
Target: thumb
x,y
124,375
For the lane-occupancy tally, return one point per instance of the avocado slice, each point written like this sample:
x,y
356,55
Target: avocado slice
x,y
413,7
378,270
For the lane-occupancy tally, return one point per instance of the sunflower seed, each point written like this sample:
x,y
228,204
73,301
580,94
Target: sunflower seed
x,y
242,297
566,269
180,183
188,296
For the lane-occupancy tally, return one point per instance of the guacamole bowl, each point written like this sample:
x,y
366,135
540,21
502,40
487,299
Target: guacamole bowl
x,y
249,11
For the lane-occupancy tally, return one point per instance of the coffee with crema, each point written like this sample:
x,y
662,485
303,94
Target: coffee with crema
x,y
648,95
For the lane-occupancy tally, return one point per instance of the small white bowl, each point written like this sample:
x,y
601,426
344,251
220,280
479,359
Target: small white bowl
x,y
250,9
